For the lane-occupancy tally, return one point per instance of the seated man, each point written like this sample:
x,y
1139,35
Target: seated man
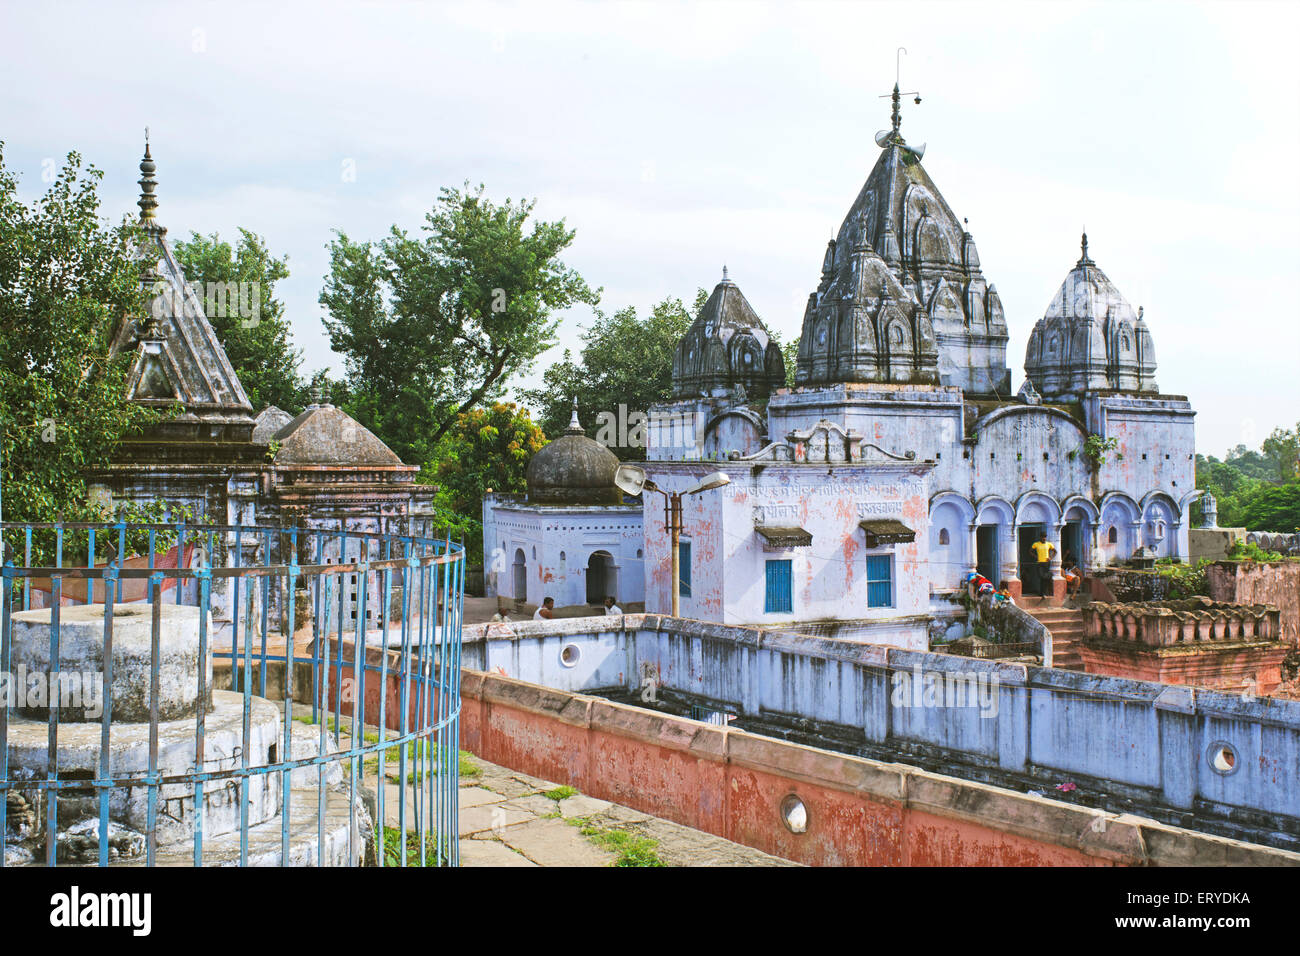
x,y
546,611
611,608
1073,576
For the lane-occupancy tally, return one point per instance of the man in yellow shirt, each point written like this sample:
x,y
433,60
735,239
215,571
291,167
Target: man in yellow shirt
x,y
1043,552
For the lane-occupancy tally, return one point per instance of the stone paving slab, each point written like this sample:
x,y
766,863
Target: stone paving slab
x,y
491,818
490,853
535,804
584,806
527,826
553,843
477,797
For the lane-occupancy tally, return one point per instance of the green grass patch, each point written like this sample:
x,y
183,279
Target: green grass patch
x,y
560,793
631,850
392,848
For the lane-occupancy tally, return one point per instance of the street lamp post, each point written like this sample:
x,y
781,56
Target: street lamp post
x,y
632,480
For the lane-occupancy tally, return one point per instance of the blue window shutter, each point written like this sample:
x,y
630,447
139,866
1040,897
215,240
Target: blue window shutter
x,y
779,598
880,583
684,568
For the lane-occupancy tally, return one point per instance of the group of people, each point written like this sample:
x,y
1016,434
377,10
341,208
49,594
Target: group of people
x,y
1040,576
547,609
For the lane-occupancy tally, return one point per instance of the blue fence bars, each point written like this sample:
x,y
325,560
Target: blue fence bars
x,y
208,695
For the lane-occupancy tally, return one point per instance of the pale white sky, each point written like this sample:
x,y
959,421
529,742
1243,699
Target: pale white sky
x,y
674,137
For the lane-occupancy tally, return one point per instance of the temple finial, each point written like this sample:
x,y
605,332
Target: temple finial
x,y
148,202
896,117
1083,246
724,273
574,427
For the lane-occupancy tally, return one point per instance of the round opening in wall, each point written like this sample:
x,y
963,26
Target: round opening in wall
x,y
794,814
570,654
1222,757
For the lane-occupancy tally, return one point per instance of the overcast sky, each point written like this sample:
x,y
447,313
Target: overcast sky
x,y
676,137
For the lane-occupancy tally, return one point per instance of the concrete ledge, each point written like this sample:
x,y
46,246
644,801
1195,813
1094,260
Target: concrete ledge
x,y
571,709
1090,831
731,783
881,781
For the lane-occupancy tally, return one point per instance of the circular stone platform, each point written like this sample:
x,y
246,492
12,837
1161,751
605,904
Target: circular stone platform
x,y
81,653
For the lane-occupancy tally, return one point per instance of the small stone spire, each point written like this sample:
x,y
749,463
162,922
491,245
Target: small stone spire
x,y
724,273
896,117
574,427
1083,259
148,202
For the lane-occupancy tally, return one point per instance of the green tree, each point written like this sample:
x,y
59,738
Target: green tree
x,y
431,327
259,345
625,361
1283,449
790,354
1275,509
67,279
486,448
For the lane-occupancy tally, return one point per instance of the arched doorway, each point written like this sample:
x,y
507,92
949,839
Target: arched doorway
x,y
520,592
598,577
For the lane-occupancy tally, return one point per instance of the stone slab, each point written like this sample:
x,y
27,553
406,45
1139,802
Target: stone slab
x,y
553,843
491,818
490,853
584,806
477,797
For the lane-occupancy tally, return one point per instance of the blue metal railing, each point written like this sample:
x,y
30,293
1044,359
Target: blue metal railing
x,y
385,616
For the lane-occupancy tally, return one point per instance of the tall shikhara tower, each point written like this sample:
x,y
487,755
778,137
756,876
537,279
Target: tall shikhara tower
x,y
901,297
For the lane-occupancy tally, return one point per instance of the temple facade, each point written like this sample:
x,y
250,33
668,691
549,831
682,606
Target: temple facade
x,y
320,470
901,459
571,537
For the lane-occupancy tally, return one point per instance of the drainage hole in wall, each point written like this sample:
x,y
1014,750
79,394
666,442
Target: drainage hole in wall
x,y
794,814
1222,757
570,655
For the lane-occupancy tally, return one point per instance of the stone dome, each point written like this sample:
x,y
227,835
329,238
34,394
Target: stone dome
x,y
326,435
1089,339
573,470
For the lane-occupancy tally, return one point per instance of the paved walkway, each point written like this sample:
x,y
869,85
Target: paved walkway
x,y
511,819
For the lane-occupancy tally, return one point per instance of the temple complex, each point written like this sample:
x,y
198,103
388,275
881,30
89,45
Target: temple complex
x,y
901,459
320,470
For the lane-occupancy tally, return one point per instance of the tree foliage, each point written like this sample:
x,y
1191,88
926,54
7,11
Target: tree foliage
x,y
67,279
433,326
1256,490
625,361
258,346
486,448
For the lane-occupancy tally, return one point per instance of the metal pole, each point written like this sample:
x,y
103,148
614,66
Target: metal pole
x,y
675,531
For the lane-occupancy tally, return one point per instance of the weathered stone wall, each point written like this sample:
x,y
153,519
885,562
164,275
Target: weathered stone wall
x,y
1141,747
1125,586
1008,624
1212,543
1245,582
859,812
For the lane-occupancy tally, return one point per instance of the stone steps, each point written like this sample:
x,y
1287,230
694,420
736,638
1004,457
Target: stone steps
x,y
1066,625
